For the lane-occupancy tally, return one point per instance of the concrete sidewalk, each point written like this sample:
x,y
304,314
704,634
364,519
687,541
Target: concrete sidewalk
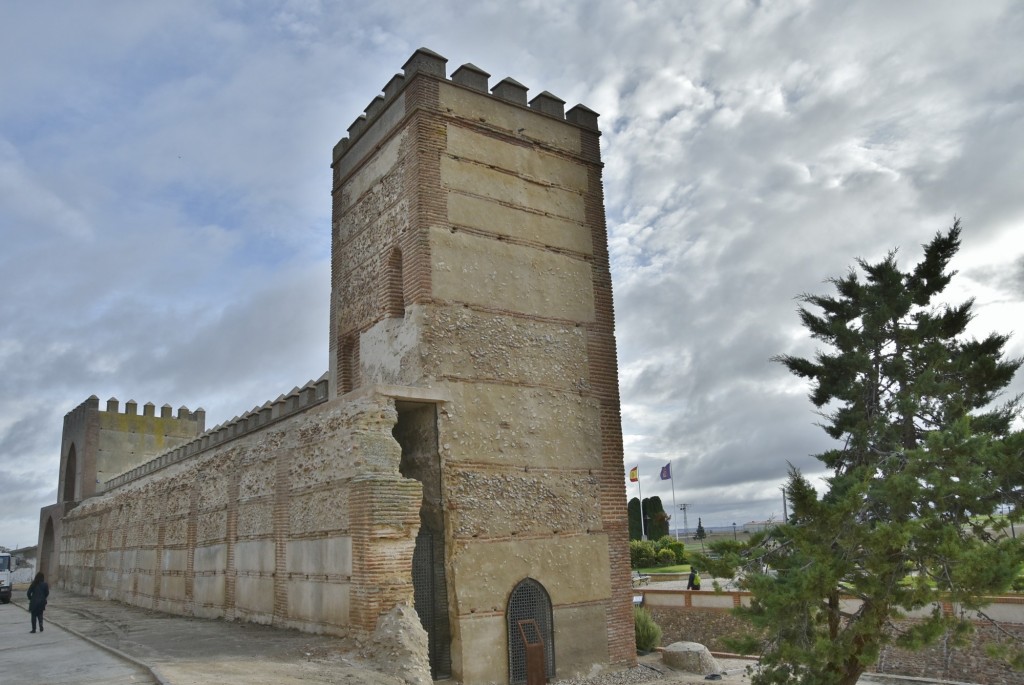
x,y
153,647
58,657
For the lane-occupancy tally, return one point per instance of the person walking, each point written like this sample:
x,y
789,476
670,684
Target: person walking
x,y
38,591
693,582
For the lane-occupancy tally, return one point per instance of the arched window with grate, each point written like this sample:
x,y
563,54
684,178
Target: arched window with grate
x,y
529,600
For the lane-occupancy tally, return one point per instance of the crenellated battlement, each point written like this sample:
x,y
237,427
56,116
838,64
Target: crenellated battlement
x,y
428,62
296,401
131,408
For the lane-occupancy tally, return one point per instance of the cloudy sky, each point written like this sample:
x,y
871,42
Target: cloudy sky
x,y
164,198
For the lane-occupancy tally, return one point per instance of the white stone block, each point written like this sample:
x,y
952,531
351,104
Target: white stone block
x,y
210,558
690,657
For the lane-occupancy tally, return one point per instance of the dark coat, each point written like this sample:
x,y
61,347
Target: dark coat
x,y
37,595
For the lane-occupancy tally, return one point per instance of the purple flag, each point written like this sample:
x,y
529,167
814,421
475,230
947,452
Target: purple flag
x,y
666,471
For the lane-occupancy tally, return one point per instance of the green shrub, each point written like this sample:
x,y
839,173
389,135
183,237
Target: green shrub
x,y
669,542
678,549
642,554
648,633
666,557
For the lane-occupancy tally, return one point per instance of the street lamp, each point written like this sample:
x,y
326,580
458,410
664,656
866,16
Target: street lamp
x,y
734,530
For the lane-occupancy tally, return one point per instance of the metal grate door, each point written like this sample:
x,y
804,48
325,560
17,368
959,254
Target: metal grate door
x,y
430,595
529,600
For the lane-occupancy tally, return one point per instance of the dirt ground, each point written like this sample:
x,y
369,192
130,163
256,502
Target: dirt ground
x,y
191,651
180,650
186,651
734,670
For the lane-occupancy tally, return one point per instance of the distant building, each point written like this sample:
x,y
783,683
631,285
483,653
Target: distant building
x,y
24,564
756,526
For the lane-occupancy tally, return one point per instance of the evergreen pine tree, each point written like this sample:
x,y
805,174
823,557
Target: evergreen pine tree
x,y
633,512
925,458
700,534
657,518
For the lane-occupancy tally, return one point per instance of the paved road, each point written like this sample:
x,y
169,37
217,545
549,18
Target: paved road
x,y
57,656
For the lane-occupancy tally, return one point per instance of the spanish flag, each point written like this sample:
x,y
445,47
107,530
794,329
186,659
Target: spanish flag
x,y
634,474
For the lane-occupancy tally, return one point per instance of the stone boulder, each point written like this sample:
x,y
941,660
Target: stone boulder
x,y
691,657
399,646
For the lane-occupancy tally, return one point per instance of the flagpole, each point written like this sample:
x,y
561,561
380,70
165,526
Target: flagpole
x,y
643,530
672,477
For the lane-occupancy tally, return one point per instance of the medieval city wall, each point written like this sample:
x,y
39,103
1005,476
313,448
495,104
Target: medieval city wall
x,y
305,523
465,449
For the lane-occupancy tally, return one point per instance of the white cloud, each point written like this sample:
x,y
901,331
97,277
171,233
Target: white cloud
x,y
165,197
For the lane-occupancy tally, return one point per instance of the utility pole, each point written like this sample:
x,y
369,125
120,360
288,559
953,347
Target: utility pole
x,y
686,527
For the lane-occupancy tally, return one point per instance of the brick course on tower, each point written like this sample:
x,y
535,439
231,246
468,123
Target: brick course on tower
x,y
464,451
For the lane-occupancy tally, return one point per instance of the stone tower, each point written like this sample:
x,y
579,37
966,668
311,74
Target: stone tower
x,y
471,283
98,445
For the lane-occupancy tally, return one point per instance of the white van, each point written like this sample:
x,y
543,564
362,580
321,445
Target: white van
x,y
6,576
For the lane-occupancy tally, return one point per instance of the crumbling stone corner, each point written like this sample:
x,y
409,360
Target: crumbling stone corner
x,y
384,512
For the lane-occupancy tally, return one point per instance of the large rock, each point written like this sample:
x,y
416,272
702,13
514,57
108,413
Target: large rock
x,y
691,657
399,646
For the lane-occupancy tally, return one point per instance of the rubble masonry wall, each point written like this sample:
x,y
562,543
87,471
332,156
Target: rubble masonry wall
x,y
301,525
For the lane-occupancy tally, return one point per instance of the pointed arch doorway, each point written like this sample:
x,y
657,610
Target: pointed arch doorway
x,y
529,601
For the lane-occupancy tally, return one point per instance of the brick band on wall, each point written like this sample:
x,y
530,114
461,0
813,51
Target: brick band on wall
x,y
385,518
605,385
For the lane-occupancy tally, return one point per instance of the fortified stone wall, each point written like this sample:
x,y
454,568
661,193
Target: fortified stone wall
x,y
305,523
465,452
296,401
